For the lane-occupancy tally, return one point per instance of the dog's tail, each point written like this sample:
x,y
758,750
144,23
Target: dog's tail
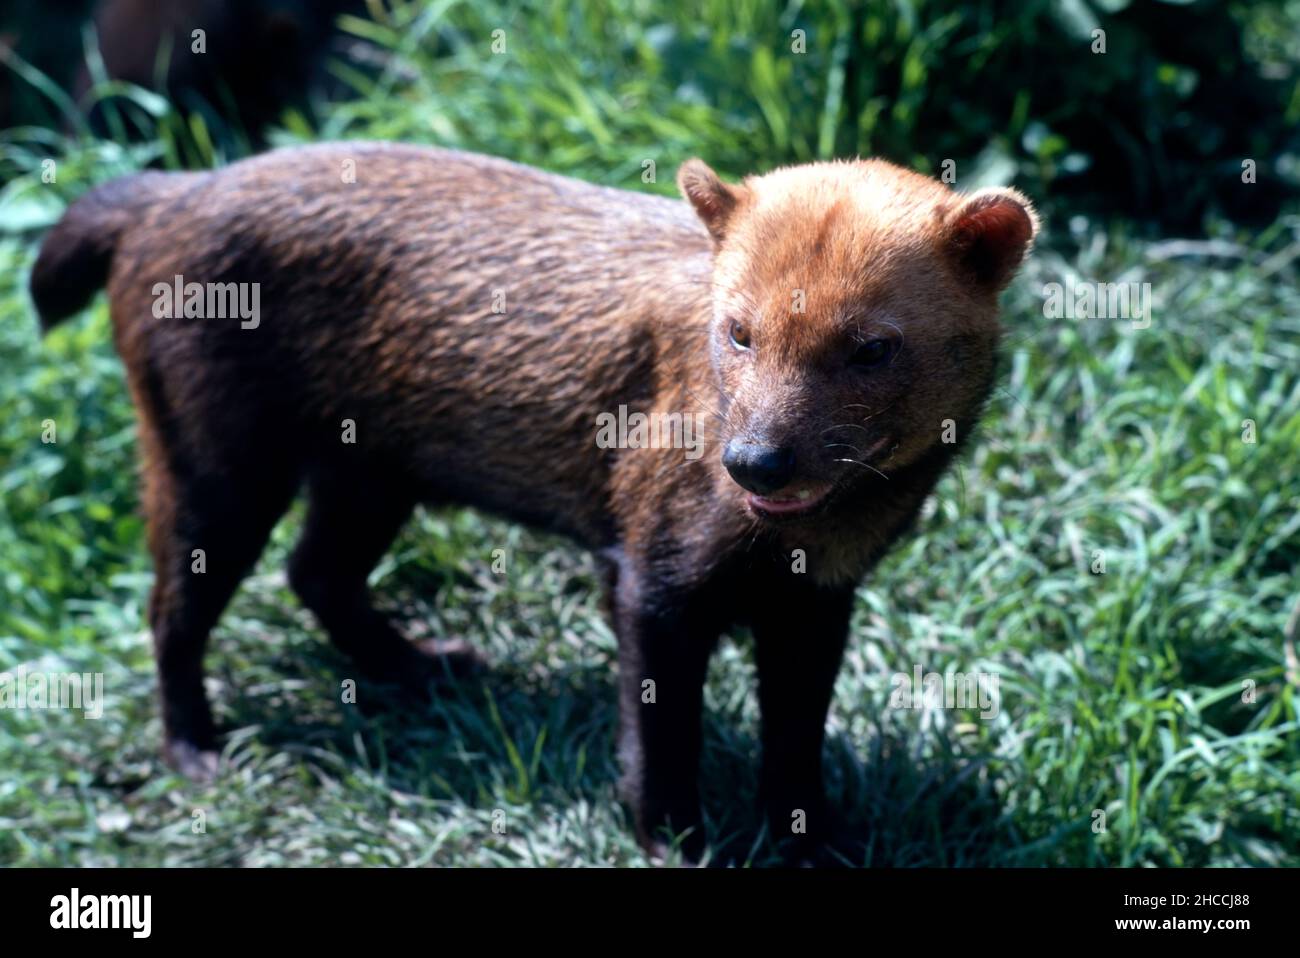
x,y
76,254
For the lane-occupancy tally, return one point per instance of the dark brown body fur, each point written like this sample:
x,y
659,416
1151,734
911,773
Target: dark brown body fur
x,y
377,306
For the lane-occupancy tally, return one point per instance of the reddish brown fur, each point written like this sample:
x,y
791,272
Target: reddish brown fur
x,y
377,306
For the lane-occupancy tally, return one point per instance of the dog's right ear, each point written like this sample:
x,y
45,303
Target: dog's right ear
x,y
715,201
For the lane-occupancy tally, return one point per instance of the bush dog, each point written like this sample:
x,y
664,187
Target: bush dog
x,y
471,320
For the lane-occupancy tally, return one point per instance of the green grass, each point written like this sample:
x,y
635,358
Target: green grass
x,y
1120,692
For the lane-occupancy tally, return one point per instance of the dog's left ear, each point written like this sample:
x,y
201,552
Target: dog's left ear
x,y
989,232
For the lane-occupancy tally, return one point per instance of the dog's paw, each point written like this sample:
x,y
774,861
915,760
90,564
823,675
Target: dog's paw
x,y
454,657
197,764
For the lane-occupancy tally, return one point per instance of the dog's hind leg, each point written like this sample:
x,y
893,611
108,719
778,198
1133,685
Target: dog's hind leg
x,y
352,518
207,525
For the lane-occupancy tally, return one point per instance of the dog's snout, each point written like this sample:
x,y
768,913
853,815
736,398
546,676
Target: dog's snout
x,y
758,467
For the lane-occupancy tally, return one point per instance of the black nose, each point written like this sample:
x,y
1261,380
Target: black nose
x,y
760,469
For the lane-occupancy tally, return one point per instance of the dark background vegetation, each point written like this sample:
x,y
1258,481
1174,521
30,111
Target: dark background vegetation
x,y
1154,128
1122,692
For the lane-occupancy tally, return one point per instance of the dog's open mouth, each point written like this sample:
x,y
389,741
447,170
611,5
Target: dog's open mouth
x,y
795,499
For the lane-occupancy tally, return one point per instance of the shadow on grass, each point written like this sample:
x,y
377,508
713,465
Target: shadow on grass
x,y
549,741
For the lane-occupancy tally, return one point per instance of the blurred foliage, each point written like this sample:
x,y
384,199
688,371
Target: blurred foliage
x,y
1155,128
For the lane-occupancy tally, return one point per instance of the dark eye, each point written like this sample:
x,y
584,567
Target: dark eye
x,y
739,335
875,352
